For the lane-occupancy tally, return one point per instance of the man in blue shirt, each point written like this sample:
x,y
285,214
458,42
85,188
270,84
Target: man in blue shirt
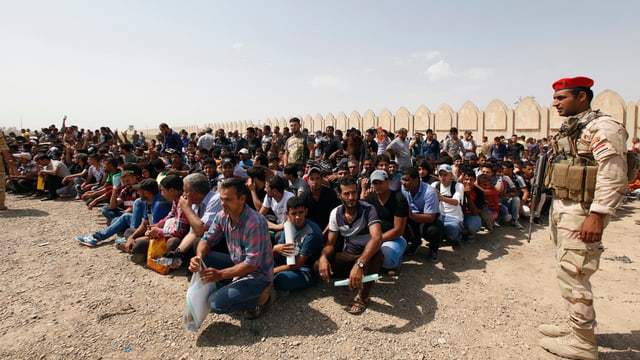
x,y
431,146
306,247
171,139
424,212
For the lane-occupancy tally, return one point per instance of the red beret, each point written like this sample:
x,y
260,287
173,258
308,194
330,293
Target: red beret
x,y
567,83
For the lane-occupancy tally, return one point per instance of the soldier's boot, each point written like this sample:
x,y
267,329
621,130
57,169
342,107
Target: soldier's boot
x,y
551,330
579,344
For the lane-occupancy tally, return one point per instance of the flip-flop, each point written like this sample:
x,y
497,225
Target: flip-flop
x,y
357,306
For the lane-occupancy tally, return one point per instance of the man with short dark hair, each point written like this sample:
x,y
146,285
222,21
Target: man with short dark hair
x,y
244,276
369,145
588,140
297,148
276,200
358,223
497,150
431,146
453,145
392,209
173,227
424,212
4,151
207,140
170,139
513,199
515,149
399,148
319,200
306,247
54,171
330,145
297,185
150,199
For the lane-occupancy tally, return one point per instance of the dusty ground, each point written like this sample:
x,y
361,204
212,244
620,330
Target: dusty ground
x,y
61,300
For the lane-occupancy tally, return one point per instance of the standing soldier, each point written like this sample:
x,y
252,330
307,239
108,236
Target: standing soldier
x,y
4,160
589,149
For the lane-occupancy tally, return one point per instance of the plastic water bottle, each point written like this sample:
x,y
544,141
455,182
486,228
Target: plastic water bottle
x,y
171,263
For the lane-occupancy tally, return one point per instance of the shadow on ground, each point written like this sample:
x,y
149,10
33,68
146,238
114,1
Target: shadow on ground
x,y
295,308
20,213
619,346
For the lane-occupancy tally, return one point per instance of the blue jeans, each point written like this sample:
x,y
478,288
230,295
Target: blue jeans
x,y
392,251
472,223
110,213
294,280
126,221
513,206
240,295
452,227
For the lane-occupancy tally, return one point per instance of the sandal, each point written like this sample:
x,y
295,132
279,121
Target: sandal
x,y
263,301
357,306
254,314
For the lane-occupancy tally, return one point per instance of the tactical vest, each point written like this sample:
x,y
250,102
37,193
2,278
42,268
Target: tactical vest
x,y
572,169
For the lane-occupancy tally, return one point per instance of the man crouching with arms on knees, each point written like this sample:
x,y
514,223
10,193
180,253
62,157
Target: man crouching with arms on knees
x,y
592,147
244,276
359,225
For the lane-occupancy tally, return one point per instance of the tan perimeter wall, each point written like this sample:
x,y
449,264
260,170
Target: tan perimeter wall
x,y
528,118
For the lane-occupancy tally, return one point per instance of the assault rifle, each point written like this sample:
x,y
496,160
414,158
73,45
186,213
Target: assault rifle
x,y
537,187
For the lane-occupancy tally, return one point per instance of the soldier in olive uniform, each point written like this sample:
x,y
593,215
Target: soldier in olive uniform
x,y
3,161
588,175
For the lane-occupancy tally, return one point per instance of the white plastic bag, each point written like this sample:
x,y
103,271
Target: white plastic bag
x,y
197,306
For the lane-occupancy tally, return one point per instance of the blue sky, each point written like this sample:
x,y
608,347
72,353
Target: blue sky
x,y
140,63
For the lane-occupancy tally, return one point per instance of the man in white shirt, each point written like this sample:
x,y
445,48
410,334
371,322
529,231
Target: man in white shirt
x,y
276,200
450,195
207,140
55,171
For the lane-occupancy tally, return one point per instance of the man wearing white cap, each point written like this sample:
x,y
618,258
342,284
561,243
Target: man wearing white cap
x,y
25,181
450,195
245,158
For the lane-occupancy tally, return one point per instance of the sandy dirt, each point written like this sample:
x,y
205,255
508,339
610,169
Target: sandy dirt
x,y
61,300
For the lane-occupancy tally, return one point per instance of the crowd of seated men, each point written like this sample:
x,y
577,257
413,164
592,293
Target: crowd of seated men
x,y
280,209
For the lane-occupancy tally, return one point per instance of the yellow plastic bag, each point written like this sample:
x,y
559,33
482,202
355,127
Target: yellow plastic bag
x,y
40,184
157,248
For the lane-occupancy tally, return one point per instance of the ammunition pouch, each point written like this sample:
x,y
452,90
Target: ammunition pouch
x,y
573,182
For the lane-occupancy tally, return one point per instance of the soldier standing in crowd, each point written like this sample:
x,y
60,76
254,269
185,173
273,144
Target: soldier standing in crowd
x,y
591,139
4,149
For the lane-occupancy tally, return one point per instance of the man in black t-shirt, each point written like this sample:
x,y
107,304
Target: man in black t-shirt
x,y
392,208
320,200
514,149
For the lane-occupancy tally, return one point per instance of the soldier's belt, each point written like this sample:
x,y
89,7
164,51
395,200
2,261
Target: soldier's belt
x,y
573,182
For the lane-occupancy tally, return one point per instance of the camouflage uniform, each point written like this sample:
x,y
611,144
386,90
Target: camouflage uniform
x,y
4,150
602,142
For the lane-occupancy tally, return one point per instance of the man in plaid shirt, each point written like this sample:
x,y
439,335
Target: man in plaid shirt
x,y
244,276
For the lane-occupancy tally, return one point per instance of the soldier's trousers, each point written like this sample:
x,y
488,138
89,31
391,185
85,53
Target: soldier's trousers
x,y
576,261
2,183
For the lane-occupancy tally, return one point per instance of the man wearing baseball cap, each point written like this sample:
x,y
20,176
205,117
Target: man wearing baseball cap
x,y
392,208
594,148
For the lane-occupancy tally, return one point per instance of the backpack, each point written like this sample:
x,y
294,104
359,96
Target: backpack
x,y
452,188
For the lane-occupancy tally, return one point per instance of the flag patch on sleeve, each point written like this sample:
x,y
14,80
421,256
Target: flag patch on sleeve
x,y
600,149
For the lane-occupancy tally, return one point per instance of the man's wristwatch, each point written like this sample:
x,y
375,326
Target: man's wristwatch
x,y
360,264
